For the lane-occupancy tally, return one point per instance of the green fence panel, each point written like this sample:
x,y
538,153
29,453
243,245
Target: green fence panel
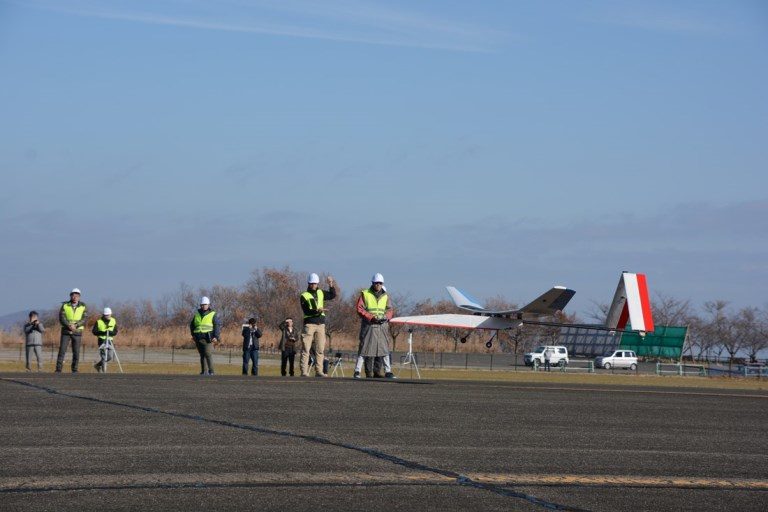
x,y
666,342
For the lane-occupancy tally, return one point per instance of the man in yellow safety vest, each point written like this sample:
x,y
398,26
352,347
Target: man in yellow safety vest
x,y
205,329
313,305
105,327
72,317
375,310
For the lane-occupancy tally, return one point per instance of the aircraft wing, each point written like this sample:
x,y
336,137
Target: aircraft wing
x,y
455,321
550,302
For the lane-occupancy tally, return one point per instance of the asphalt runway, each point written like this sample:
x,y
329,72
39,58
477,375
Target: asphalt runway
x,y
151,442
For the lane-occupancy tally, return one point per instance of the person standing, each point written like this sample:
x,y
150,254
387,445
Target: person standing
x,y
105,328
313,305
205,328
33,334
375,310
72,317
288,338
547,359
251,334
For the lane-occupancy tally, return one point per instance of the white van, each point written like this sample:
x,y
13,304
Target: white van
x,y
559,355
619,359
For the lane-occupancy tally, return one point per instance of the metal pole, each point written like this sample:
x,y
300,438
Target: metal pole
x,y
491,362
441,360
21,348
466,360
230,356
144,354
173,352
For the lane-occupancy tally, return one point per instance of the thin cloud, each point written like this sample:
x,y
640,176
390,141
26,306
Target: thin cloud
x,y
346,22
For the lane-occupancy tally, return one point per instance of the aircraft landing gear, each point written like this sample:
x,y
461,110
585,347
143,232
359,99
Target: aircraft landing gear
x,y
489,343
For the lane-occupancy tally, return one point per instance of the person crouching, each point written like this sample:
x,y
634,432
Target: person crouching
x,y
105,329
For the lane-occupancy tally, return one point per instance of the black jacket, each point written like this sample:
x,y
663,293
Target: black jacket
x,y
249,336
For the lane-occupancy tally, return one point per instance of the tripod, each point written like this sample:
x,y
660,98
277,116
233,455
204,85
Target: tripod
x,y
104,349
337,364
410,357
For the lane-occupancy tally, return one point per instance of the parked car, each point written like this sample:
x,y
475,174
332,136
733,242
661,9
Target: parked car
x,y
618,359
559,355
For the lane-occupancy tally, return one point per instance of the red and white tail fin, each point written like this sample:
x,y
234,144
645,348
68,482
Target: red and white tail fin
x,y
631,302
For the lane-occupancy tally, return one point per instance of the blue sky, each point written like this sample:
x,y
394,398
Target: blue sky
x,y
502,147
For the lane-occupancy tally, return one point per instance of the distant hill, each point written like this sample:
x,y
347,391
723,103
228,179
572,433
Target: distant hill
x,y
14,321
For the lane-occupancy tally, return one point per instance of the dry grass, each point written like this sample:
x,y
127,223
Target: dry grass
x,y
272,370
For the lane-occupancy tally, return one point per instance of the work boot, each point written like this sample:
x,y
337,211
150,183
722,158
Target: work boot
x,y
356,375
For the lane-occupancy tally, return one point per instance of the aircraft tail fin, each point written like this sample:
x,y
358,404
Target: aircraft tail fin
x,y
631,303
463,300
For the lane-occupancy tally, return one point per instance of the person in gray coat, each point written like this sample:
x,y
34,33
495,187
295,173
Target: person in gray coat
x,y
375,310
33,332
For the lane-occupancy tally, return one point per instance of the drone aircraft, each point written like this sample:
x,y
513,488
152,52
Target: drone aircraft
x,y
631,304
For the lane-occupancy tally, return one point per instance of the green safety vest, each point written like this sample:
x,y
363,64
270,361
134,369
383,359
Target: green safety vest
x,y
314,304
204,323
103,326
74,315
376,307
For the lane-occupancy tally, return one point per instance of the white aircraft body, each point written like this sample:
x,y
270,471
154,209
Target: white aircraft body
x,y
631,304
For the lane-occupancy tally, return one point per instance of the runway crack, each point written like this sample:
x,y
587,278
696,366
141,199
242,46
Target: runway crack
x,y
458,478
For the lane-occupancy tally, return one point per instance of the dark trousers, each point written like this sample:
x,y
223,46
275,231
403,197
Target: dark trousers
x,y
285,358
205,350
547,365
76,340
374,367
251,354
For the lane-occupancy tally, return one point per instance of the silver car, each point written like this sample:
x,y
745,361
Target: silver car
x,y
619,359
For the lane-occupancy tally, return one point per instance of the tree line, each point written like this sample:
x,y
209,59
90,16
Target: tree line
x,y
716,331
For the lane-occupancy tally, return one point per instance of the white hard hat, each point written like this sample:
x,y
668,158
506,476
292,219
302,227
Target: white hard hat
x,y
205,300
313,278
74,290
107,311
377,278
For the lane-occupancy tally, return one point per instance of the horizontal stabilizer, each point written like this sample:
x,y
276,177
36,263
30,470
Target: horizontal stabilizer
x,y
550,302
456,321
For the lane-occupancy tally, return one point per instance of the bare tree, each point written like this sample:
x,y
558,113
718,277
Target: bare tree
x,y
668,310
273,294
750,330
720,328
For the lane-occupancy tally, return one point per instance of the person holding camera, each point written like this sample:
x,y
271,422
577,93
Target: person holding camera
x,y
313,305
72,317
105,328
288,338
375,310
33,334
205,328
251,334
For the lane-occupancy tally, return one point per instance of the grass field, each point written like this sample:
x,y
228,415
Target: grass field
x,y
271,370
